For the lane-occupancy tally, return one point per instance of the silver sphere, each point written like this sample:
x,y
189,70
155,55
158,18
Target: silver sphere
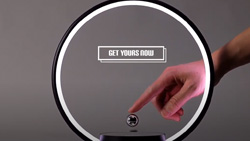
x,y
132,120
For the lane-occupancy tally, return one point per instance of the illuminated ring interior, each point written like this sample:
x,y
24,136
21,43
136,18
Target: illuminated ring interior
x,y
111,5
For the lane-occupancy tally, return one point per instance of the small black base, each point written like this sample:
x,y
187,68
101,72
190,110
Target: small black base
x,y
132,136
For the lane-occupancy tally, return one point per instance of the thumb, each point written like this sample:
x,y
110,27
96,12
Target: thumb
x,y
178,100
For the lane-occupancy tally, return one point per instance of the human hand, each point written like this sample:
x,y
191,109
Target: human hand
x,y
175,86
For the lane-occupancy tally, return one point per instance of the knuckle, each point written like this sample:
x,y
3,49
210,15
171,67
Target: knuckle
x,y
195,89
169,69
173,102
192,86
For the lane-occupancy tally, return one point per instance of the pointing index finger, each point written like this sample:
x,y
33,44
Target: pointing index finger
x,y
153,90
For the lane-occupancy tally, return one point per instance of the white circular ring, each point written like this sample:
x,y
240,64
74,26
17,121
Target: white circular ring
x,y
131,3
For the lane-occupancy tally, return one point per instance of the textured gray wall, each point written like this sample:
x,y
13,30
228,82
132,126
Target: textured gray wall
x,y
31,30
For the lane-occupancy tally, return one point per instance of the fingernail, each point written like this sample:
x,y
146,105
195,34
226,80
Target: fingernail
x,y
130,110
165,113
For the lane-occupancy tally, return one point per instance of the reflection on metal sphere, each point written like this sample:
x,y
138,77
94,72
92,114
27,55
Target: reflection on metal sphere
x,y
132,120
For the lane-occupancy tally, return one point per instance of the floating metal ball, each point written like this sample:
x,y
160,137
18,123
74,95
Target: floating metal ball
x,y
132,120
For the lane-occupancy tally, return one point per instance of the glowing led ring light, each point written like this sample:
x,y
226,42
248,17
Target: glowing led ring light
x,y
108,5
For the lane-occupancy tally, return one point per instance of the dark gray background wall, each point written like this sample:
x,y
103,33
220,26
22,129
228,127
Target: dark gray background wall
x,y
31,30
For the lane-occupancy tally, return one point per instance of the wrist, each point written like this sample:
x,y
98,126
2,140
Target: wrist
x,y
222,63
